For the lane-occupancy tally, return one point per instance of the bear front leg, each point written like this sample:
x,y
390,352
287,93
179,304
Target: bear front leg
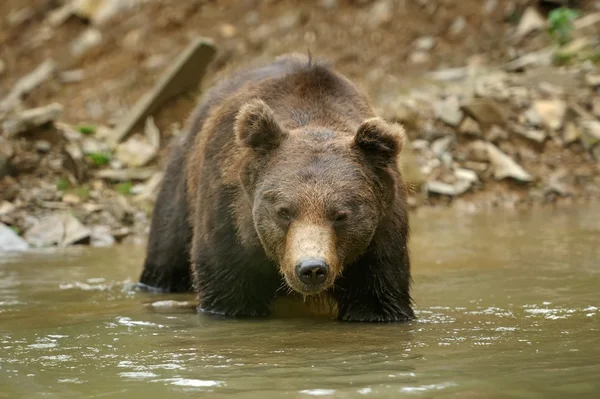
x,y
229,285
167,263
375,290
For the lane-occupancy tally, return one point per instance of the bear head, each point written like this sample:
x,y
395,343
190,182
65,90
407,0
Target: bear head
x,y
317,195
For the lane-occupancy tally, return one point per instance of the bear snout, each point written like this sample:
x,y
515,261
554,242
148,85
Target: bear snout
x,y
312,272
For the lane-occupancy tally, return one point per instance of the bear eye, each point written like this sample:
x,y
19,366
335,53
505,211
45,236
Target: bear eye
x,y
340,217
284,213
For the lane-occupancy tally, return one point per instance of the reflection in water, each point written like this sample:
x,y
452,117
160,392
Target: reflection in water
x,y
508,306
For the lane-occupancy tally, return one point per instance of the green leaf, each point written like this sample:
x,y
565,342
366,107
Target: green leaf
x,y
63,184
86,129
100,158
124,188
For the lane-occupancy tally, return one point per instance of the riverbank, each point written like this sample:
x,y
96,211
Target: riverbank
x,y
501,114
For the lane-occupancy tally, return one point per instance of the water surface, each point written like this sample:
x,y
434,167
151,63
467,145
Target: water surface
x,y
507,304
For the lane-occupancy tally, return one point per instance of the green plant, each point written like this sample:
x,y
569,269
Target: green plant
x,y
82,192
63,184
100,158
16,230
560,24
86,129
124,188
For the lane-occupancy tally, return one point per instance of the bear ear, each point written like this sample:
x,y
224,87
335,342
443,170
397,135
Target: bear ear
x,y
257,128
379,141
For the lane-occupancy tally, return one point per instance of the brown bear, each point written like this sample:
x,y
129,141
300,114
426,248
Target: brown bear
x,y
285,181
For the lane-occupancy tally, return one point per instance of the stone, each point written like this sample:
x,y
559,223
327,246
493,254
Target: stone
x,y
496,133
6,208
538,58
448,111
227,31
489,6
381,13
458,27
101,236
449,74
26,84
2,67
101,11
424,43
123,175
60,229
593,80
536,135
442,145
183,75
419,57
72,76
596,107
552,112
10,241
135,152
466,174
571,133
32,118
531,21
470,126
452,190
43,146
486,112
87,40
148,190
532,117
505,167
477,151
329,4
590,135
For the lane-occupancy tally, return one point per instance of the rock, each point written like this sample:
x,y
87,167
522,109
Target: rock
x,y
466,174
10,241
536,135
87,40
136,151
458,27
72,76
596,107
477,151
329,4
590,135
123,175
32,118
100,11
61,14
6,208
535,59
120,208
227,31
453,190
571,133
504,166
6,154
425,43
419,57
531,21
75,161
496,133
486,112
489,6
470,126
290,20
26,84
532,117
61,229
410,168
448,111
442,145
593,80
551,112
101,236
449,74
2,67
149,190
184,74
381,13
43,146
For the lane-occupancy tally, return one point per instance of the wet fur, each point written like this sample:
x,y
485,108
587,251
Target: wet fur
x,y
203,237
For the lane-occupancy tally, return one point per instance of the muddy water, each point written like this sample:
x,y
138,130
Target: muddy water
x,y
508,306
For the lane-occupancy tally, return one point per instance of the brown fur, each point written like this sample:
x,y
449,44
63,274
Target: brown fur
x,y
282,163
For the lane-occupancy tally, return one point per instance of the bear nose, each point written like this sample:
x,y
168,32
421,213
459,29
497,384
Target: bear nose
x,y
312,271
